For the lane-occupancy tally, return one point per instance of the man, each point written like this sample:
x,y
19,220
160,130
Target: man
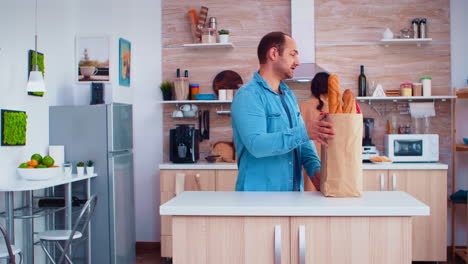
x,y
272,142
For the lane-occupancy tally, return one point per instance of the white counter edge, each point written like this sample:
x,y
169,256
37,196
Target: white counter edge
x,y
365,166
19,184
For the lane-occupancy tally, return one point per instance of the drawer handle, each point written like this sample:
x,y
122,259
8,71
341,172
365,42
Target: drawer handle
x,y
382,182
394,183
278,244
197,180
302,244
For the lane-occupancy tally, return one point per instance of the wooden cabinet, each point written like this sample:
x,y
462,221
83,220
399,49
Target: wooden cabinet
x,y
231,240
375,180
295,240
429,187
359,240
194,180
226,180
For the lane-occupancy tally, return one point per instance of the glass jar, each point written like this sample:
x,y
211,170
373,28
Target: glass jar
x,y
406,89
208,35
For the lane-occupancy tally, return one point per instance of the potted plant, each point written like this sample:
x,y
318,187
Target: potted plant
x,y
80,168
223,36
166,89
90,168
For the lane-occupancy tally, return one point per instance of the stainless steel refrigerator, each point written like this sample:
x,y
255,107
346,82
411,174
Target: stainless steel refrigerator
x,y
103,133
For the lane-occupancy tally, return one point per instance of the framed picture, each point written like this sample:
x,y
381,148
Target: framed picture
x,y
13,128
92,58
31,62
124,62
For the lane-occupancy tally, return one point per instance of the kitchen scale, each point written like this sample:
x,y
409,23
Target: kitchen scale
x,y
368,149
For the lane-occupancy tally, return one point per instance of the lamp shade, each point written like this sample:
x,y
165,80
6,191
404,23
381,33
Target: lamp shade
x,y
35,82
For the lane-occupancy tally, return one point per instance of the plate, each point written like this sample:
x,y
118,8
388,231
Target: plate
x,y
381,162
227,80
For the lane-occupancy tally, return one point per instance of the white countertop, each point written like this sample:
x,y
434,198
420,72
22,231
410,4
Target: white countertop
x,y
392,203
203,165
19,184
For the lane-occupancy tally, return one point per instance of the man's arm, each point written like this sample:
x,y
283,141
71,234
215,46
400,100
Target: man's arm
x,y
250,120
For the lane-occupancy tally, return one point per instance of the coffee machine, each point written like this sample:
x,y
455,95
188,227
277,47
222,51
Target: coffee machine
x,y
368,149
183,144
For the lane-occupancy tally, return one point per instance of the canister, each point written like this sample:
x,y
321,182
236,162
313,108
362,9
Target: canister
x,y
406,90
426,85
194,89
417,89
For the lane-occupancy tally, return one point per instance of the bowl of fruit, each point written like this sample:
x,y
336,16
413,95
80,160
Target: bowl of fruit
x,y
38,168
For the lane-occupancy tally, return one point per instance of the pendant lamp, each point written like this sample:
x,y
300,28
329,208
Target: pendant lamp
x,y
36,80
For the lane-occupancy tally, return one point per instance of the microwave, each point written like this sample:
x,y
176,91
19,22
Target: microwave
x,y
412,147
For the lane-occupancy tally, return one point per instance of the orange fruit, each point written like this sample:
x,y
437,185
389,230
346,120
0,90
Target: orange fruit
x,y
33,163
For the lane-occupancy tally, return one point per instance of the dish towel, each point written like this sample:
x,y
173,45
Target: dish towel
x,y
421,110
179,183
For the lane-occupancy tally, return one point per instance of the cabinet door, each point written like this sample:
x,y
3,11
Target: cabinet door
x,y
230,240
350,240
375,180
429,232
226,180
195,180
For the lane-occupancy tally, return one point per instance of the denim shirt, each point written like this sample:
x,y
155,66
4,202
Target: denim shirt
x,y
264,140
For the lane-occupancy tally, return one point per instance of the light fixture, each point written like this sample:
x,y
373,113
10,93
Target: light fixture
x,y
36,80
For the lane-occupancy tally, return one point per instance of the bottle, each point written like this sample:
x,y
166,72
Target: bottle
x,y
389,127
362,83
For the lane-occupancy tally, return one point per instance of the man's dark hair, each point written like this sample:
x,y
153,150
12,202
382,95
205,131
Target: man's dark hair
x,y
272,39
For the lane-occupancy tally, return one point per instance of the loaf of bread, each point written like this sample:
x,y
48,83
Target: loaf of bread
x,y
334,97
349,102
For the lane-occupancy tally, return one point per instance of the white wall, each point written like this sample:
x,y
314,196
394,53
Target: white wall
x,y
58,24
459,57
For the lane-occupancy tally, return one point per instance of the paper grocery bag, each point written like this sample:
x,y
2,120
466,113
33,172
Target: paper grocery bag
x,y
341,172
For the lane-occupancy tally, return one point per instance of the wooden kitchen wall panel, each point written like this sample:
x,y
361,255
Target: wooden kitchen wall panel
x,y
364,21
220,126
248,20
204,64
389,66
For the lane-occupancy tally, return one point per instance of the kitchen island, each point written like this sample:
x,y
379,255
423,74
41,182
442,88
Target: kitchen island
x,y
292,227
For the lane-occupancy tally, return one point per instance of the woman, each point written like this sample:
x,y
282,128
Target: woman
x,y
310,110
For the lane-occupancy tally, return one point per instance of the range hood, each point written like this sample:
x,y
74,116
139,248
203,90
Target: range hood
x,y
303,32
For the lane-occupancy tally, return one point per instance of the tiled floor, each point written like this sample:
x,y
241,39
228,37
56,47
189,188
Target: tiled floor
x,y
152,256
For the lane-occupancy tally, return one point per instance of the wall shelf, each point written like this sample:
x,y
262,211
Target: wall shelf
x,y
461,147
403,98
462,93
418,42
209,45
196,102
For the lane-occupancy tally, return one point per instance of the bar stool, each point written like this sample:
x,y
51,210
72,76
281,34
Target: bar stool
x,y
68,236
9,251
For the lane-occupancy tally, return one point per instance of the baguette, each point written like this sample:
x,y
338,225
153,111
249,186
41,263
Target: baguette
x,y
349,102
334,97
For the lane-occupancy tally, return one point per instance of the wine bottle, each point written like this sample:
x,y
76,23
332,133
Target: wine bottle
x,y
362,83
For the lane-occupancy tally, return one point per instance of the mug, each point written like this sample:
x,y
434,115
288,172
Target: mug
x,y
88,71
177,113
188,107
222,94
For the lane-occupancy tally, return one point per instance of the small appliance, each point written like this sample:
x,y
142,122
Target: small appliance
x,y
412,147
97,93
368,149
183,144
